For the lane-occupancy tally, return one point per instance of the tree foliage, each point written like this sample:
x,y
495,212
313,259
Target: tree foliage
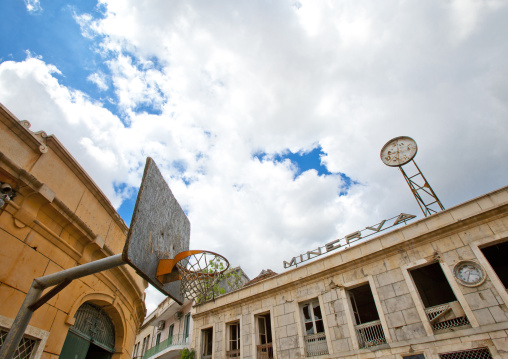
x,y
187,354
228,282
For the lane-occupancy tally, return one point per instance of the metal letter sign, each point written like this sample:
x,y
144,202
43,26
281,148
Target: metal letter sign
x,y
353,237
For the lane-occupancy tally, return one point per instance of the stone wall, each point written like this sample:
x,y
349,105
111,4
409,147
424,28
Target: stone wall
x,y
384,263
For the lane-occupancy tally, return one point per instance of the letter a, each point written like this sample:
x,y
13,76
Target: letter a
x,y
403,217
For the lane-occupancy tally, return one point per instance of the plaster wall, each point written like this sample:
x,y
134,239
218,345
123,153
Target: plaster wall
x,y
58,220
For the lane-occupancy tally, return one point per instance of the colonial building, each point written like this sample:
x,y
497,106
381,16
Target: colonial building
x,y
434,288
165,332
57,219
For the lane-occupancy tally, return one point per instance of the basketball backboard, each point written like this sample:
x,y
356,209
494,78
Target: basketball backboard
x,y
159,230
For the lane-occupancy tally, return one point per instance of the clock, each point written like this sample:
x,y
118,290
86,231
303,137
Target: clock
x,y
469,273
398,151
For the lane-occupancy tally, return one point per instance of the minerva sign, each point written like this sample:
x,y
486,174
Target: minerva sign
x,y
353,237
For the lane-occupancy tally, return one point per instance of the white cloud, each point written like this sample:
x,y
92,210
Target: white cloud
x,y
99,78
33,6
229,79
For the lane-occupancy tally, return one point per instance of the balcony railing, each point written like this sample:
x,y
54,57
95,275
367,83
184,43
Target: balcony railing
x,y
446,316
233,353
175,340
370,334
265,351
315,344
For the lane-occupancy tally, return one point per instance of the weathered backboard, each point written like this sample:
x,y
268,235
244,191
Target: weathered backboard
x,y
159,230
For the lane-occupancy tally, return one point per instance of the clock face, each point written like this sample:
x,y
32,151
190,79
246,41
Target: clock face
x,y
469,273
398,151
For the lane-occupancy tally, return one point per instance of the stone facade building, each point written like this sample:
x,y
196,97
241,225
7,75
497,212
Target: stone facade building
x,y
168,329
59,219
434,288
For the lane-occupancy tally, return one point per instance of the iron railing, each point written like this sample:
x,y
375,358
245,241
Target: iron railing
x,y
315,344
233,353
174,340
437,313
265,351
451,323
370,334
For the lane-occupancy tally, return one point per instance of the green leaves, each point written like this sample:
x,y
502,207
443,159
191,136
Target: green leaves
x,y
228,282
187,354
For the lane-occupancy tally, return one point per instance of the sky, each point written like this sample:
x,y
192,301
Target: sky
x,y
266,118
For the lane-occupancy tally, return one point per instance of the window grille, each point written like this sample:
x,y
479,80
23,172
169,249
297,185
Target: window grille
x,y
370,334
25,347
479,353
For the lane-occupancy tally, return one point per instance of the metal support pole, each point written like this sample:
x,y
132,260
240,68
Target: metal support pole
x,y
25,313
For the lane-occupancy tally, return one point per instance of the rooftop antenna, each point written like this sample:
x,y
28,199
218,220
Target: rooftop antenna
x,y
400,151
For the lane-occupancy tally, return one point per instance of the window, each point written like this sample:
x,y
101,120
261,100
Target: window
x,y
233,333
415,356
368,326
147,344
207,342
143,348
136,348
25,348
158,339
496,255
441,306
264,345
186,325
315,337
170,333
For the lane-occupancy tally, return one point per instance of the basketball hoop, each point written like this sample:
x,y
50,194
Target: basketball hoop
x,y
197,270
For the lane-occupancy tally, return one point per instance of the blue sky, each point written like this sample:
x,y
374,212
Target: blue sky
x,y
54,35
266,118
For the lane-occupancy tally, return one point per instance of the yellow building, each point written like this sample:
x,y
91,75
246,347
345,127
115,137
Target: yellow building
x,y
59,219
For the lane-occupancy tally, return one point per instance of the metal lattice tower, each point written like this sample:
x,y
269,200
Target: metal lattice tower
x,y
425,196
400,151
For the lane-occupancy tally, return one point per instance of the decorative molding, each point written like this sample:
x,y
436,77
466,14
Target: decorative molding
x,y
39,136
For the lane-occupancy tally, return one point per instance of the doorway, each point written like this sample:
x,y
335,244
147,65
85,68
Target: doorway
x,y
91,336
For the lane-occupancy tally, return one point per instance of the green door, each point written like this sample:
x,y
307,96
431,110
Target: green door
x,y
91,337
75,347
